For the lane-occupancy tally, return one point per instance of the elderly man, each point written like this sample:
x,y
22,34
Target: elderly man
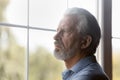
x,y
78,35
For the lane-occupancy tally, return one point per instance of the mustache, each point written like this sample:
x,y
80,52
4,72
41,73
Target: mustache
x,y
57,42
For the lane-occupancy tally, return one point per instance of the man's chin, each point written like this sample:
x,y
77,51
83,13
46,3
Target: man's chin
x,y
58,54
62,55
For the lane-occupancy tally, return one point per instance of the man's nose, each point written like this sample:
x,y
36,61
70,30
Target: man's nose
x,y
57,36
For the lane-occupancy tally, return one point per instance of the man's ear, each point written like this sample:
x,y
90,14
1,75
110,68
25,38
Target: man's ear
x,y
86,42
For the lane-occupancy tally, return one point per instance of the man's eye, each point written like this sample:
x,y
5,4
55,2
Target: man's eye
x,y
64,31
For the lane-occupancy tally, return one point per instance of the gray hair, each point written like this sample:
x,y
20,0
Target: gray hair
x,y
86,25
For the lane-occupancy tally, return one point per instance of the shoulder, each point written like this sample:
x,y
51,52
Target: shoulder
x,y
90,77
91,72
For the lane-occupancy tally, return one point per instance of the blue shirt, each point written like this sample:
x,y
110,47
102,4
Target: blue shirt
x,y
86,69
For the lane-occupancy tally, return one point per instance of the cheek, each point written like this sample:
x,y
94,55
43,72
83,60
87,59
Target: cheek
x,y
69,42
66,42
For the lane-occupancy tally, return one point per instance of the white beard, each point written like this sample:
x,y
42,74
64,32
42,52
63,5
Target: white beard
x,y
63,55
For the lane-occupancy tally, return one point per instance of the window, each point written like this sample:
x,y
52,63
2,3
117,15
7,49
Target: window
x,y
13,48
16,12
46,13
116,39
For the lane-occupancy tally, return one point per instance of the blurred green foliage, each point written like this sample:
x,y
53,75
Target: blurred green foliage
x,y
3,5
116,66
43,66
12,59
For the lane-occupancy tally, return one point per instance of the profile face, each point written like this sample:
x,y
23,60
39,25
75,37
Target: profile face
x,y
66,38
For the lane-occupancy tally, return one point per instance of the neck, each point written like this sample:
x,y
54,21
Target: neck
x,y
73,60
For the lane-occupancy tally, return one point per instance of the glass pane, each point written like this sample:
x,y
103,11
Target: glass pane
x,y
115,18
116,59
13,11
86,4
46,13
12,53
42,64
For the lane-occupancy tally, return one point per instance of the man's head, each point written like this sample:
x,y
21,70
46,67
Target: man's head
x,y
78,33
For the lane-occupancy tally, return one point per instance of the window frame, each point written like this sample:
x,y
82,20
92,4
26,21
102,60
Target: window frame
x,y
106,19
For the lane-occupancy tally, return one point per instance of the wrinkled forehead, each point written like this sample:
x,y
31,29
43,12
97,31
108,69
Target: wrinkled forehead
x,y
68,20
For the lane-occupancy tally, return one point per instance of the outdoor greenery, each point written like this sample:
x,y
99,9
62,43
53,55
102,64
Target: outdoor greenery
x,y
42,64
116,66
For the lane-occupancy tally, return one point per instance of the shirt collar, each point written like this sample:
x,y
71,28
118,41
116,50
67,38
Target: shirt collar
x,y
83,62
